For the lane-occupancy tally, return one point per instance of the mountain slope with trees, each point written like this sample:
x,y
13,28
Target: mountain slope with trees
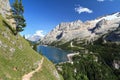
x,y
18,58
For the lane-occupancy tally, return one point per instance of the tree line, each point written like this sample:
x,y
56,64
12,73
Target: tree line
x,y
17,10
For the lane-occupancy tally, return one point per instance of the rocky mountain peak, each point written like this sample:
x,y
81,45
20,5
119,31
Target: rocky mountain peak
x,y
89,30
109,17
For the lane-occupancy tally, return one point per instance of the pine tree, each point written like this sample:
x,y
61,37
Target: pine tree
x,y
17,14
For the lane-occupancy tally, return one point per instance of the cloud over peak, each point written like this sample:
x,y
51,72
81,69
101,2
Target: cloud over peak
x,y
37,36
81,9
39,33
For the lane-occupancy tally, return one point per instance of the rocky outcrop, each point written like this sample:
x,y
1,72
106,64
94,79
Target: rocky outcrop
x,y
4,7
114,36
116,64
83,31
5,11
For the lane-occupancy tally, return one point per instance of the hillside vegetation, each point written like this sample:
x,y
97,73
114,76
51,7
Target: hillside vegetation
x,y
96,61
17,58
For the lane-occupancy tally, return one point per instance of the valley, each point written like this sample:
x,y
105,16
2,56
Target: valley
x,y
85,44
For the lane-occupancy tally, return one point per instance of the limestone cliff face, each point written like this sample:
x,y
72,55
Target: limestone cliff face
x,y
114,36
4,7
83,31
5,11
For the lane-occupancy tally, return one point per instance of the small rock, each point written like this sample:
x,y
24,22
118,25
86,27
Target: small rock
x,y
13,42
116,64
20,47
57,75
0,43
12,50
15,68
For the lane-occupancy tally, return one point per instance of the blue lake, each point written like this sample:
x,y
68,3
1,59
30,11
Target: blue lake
x,y
56,55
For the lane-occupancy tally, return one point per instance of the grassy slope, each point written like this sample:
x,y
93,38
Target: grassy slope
x,y
14,64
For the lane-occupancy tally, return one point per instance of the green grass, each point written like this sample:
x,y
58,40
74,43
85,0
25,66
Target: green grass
x,y
67,46
13,65
45,71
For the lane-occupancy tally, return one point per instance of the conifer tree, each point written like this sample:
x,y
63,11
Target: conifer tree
x,y
17,14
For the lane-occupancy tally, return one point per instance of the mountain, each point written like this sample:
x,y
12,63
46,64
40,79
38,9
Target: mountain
x,y
114,36
83,31
18,61
94,42
17,58
34,38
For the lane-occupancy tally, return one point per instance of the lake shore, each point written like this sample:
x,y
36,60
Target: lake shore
x,y
69,56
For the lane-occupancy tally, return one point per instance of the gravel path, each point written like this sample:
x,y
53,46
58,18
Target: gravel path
x,y
30,74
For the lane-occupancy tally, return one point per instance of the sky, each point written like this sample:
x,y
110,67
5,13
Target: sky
x,y
44,15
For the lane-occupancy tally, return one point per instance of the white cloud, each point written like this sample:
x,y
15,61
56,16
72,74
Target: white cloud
x,y
27,36
35,37
103,0
100,0
39,33
81,9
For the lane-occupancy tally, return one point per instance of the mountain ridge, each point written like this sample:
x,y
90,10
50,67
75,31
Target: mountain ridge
x,y
88,31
